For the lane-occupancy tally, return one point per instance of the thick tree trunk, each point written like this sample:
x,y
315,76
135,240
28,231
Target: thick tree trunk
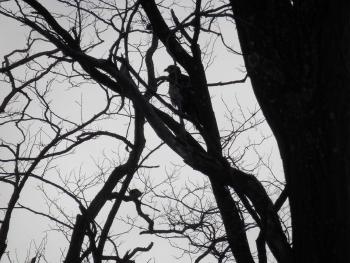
x,y
317,161
300,72
318,176
315,149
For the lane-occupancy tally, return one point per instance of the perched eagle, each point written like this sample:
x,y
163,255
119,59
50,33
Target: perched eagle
x,y
181,93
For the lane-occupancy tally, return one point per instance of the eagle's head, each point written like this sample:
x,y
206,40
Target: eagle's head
x,y
173,69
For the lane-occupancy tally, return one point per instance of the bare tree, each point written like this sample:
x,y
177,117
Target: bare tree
x,y
122,49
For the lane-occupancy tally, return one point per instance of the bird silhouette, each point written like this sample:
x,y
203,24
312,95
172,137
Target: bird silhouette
x,y
181,93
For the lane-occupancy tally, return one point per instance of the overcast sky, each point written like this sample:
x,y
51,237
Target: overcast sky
x,y
28,230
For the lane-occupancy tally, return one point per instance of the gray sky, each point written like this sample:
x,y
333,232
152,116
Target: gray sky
x,y
28,230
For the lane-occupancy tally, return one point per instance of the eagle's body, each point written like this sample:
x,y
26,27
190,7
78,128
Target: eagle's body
x,y
180,91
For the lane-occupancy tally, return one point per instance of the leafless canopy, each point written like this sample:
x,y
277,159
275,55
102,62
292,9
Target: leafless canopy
x,y
88,118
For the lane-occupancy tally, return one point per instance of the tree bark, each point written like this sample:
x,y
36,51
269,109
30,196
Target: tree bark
x,y
297,56
234,225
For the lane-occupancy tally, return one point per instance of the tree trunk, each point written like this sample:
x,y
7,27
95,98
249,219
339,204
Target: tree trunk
x,y
316,151
317,171
298,59
233,223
